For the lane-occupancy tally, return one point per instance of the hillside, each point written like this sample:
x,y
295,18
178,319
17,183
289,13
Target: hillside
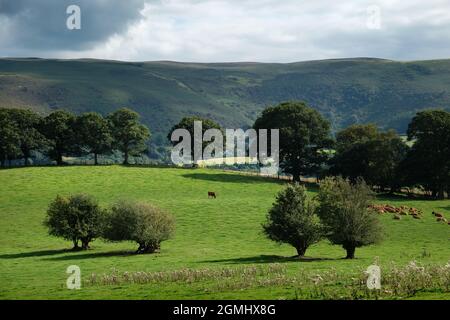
x,y
345,91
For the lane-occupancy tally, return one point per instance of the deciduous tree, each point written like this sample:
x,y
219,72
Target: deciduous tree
x,y
304,134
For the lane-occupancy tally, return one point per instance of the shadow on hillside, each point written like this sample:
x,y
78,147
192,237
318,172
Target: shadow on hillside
x,y
233,178
32,254
267,259
92,255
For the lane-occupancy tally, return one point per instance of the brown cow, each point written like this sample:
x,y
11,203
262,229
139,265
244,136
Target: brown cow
x,y
211,195
438,215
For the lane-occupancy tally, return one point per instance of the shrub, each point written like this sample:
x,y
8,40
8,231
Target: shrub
x,y
343,208
75,218
141,222
292,220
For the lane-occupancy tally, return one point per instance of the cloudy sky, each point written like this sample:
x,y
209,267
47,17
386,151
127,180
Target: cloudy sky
x,y
227,30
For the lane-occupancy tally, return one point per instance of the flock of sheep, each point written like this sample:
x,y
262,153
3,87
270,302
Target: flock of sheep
x,y
405,211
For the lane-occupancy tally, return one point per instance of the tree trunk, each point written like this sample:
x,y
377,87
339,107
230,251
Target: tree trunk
x,y
296,177
125,161
26,159
301,250
350,252
441,194
148,248
95,158
59,160
84,244
75,244
3,163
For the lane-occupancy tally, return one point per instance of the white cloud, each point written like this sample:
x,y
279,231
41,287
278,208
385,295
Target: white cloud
x,y
277,31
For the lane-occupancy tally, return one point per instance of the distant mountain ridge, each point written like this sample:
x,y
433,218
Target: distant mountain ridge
x,y
346,91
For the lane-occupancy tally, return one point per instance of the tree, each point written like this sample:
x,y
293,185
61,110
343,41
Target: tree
x,y
75,218
9,137
187,123
428,162
304,134
364,151
344,210
292,219
140,222
94,134
59,128
28,124
129,136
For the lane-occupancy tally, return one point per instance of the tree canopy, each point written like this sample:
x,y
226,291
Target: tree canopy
x,y
428,161
304,133
129,135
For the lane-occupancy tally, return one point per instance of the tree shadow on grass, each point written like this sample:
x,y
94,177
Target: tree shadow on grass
x,y
32,254
231,178
267,259
67,254
93,255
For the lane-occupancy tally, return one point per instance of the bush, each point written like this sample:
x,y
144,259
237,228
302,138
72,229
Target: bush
x,y
75,218
343,209
292,220
140,222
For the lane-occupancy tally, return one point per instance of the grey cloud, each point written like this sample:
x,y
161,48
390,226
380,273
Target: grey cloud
x,y
225,30
40,26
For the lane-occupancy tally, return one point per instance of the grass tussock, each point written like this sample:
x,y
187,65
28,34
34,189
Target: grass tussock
x,y
397,282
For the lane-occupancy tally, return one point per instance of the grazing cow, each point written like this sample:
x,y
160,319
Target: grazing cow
x,y
211,195
441,219
415,216
438,215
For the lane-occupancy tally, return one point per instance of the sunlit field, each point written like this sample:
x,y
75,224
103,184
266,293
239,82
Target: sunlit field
x,y
212,236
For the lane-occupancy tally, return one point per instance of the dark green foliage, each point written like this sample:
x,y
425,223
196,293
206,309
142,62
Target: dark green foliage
x,y
75,218
28,124
59,129
292,219
188,124
304,133
9,137
364,151
140,222
129,135
428,162
94,134
343,209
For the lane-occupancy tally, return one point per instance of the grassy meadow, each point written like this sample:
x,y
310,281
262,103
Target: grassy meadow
x,y
211,234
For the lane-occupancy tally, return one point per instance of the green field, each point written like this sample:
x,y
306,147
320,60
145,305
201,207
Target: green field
x,y
211,235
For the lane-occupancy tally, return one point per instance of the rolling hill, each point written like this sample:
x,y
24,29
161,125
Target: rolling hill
x,y
346,91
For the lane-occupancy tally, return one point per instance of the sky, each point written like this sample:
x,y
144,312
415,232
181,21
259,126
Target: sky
x,y
226,30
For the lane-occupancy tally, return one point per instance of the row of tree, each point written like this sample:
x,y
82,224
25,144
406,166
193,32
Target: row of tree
x,y
63,134
307,146
80,219
382,158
